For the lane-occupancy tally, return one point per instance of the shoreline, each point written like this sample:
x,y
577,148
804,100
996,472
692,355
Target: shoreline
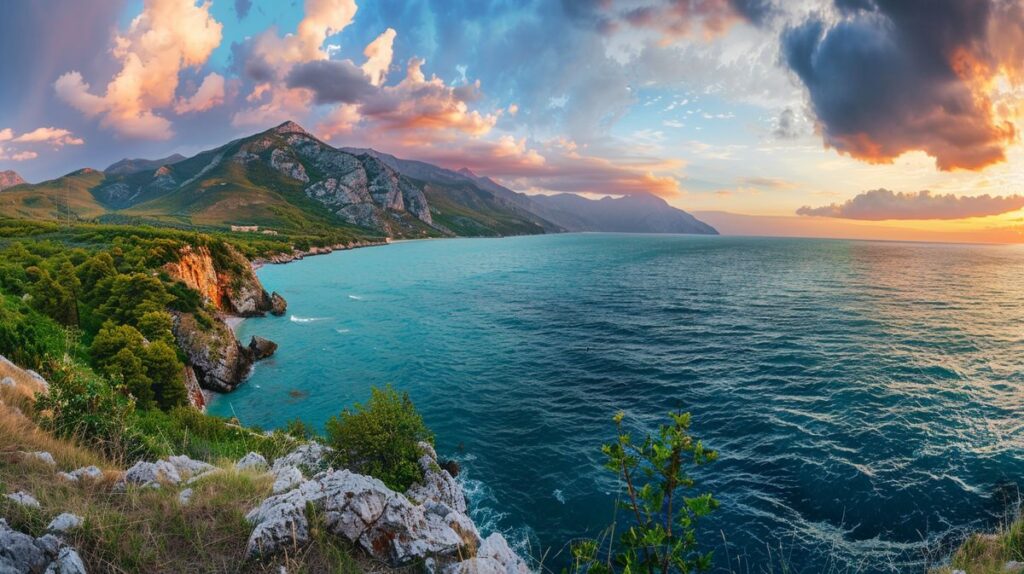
x,y
299,254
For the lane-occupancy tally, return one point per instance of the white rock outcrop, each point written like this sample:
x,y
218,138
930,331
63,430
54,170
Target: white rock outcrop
x,y
64,523
23,498
22,554
252,461
150,475
89,472
286,479
427,522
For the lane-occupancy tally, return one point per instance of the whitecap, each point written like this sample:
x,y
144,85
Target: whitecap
x,y
295,319
341,331
355,297
559,496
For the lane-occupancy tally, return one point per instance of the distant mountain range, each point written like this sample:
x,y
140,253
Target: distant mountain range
x,y
286,179
10,178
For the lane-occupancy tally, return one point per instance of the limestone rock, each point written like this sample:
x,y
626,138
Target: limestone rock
x,y
309,457
19,552
44,457
150,474
262,348
64,523
438,485
23,498
67,562
252,461
185,497
278,305
90,472
286,479
8,382
219,361
189,468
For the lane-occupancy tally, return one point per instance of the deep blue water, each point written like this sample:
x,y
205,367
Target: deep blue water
x,y
867,398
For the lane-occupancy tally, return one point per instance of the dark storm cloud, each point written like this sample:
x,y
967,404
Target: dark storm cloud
x,y
899,75
883,204
332,81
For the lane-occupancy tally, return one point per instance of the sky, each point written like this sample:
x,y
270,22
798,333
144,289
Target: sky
x,y
888,119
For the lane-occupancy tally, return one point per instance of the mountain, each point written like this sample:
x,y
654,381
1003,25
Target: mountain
x,y
630,213
564,212
489,204
129,166
10,178
283,178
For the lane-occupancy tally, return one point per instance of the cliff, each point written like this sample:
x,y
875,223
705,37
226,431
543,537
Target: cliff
x,y
216,360
229,285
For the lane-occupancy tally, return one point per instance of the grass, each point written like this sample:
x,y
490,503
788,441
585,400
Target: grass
x,y
988,553
142,529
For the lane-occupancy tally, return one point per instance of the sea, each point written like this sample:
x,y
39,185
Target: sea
x,y
866,398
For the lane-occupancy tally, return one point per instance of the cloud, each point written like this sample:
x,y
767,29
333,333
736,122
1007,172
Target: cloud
x,y
55,138
882,204
765,182
378,57
242,8
167,37
892,76
209,94
676,19
332,81
786,127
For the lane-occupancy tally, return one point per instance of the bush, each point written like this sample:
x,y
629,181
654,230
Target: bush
x,y
83,406
381,438
662,536
184,430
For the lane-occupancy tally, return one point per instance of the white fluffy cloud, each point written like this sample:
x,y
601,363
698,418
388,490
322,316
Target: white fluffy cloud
x,y
209,94
167,37
14,144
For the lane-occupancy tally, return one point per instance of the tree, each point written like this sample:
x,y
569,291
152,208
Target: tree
x,y
50,298
661,537
165,371
69,281
127,367
381,438
156,326
111,339
95,269
132,296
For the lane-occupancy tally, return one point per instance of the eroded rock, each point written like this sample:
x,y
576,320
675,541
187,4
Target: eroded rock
x,y
64,523
286,479
261,348
252,461
150,474
23,498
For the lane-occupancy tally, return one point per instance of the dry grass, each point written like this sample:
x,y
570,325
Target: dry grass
x,y
142,529
988,553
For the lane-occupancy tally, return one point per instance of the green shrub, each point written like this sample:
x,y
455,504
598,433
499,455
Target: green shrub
x,y
661,536
381,438
83,406
184,430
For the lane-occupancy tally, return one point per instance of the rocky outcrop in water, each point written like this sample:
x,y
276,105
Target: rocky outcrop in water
x,y
214,353
261,348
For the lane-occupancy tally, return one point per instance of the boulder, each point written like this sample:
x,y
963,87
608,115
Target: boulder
x,y
310,458
188,468
452,466
492,557
185,497
438,485
8,382
150,474
67,562
23,498
262,348
252,461
278,306
21,554
286,479
44,457
218,360
64,523
90,472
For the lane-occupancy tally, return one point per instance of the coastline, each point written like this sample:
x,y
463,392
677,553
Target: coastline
x,y
299,254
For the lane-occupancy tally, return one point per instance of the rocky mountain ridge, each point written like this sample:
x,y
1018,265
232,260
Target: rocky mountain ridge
x,y
10,178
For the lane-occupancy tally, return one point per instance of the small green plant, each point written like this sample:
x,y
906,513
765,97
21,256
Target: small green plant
x,y
662,533
381,438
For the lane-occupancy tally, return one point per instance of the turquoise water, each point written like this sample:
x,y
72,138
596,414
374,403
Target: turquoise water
x,y
867,398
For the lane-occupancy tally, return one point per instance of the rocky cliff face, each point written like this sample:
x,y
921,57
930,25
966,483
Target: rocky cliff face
x,y
216,360
236,292
219,361
10,178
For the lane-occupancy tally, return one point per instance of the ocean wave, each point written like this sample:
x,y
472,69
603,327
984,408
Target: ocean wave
x,y
295,319
355,297
342,331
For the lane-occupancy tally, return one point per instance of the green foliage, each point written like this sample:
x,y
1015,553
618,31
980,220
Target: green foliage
x,y
156,326
381,438
29,338
132,296
81,405
662,534
150,371
184,430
